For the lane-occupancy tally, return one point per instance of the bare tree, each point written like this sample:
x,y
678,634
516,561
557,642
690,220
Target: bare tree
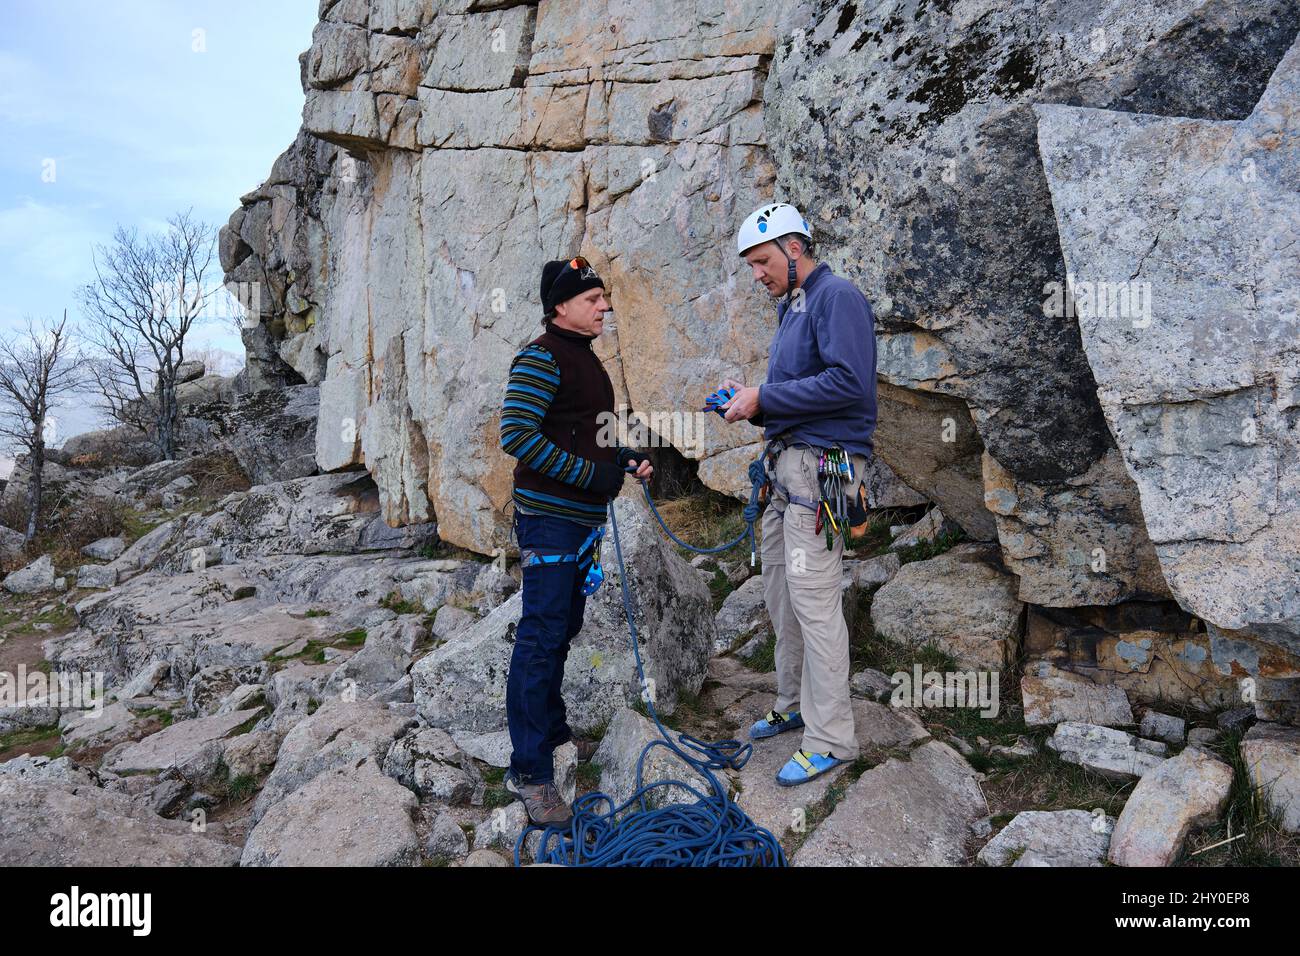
x,y
36,367
147,294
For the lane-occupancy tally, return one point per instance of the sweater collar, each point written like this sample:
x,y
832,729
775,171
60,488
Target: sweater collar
x,y
569,334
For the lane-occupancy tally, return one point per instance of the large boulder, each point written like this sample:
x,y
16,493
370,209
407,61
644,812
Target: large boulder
x,y
1051,695
462,684
338,735
347,816
961,601
32,579
1050,838
918,811
1174,230
1272,757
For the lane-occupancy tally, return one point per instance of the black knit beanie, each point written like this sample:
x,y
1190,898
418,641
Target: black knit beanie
x,y
560,284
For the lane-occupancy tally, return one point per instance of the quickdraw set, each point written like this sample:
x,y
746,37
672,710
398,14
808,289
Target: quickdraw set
x,y
839,511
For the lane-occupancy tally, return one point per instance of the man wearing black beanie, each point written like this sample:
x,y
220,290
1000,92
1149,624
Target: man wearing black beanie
x,y
563,484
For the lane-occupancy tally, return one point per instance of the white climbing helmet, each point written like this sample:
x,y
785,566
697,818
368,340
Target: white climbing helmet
x,y
770,222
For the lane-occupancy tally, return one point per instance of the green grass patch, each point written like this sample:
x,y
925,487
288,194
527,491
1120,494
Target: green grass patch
x,y
161,714
495,793
353,638
28,736
763,660
394,602
925,550
60,617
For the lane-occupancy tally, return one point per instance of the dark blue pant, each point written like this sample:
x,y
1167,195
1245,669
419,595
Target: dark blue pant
x,y
552,616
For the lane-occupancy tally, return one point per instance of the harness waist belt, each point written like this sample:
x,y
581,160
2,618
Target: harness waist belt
x,y
770,454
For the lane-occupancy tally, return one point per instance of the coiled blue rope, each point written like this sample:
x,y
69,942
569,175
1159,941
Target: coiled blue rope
x,y
712,831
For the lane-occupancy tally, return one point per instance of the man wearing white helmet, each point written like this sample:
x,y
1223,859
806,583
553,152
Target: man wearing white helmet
x,y
820,393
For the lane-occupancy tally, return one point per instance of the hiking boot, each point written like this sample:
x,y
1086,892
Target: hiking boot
x,y
543,802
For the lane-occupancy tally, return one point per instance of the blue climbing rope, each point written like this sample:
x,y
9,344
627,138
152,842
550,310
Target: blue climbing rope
x,y
712,831
757,478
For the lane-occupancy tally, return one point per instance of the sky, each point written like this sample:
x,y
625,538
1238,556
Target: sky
x,y
127,112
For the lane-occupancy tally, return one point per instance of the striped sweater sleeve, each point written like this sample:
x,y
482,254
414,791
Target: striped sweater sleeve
x,y
534,380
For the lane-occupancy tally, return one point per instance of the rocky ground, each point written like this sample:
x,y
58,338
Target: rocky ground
x,y
291,682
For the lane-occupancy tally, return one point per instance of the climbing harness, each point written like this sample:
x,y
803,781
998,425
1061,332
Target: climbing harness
x,y
837,513
712,831
587,558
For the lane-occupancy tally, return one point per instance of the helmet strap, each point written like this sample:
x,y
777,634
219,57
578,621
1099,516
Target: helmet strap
x,y
790,274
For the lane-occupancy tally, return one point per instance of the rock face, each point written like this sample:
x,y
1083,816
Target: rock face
x,y
968,165
933,155
1198,383
461,686
389,240
1153,652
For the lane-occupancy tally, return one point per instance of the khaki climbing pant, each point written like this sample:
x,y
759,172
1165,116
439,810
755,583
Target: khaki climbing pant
x,y
801,588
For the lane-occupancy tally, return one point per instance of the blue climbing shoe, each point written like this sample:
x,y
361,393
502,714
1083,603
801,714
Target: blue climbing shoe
x,y
775,723
805,766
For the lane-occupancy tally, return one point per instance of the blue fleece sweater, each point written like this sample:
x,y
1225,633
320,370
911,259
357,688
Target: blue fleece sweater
x,y
821,370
